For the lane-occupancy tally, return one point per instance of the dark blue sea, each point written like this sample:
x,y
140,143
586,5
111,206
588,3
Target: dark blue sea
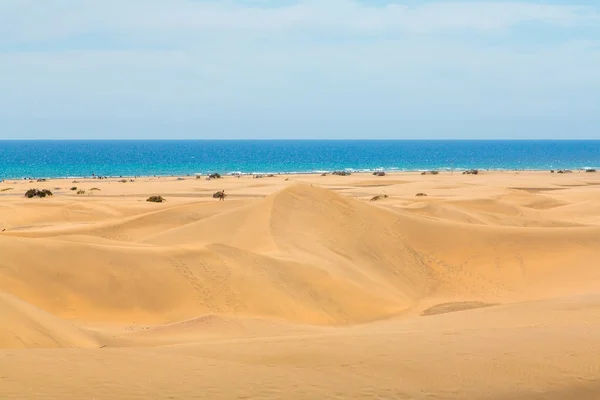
x,y
48,159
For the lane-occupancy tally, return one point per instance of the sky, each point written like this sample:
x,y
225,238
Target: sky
x,y
299,69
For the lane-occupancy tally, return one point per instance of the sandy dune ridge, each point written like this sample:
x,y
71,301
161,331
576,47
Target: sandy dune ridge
x,y
300,287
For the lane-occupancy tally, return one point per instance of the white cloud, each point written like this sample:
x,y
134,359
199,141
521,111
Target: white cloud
x,y
397,77
22,20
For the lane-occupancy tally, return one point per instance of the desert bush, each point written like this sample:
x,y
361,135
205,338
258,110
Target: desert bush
x,y
123,180
74,188
94,189
6,189
471,172
379,197
420,194
81,192
219,195
590,170
41,180
379,173
155,199
214,175
31,193
341,173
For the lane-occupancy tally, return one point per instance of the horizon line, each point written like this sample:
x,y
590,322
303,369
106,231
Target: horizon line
x,y
303,140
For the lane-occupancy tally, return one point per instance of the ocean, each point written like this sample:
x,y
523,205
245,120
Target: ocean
x,y
51,159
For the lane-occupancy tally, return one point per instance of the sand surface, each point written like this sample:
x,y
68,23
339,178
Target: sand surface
x,y
301,287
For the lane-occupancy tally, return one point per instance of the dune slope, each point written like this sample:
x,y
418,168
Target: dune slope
x,y
24,326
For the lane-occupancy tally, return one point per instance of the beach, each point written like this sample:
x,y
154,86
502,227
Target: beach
x,y
302,286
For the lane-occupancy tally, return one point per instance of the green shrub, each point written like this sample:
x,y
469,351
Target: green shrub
x,y
31,193
156,199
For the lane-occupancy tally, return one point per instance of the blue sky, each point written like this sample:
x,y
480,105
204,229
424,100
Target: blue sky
x,y
335,69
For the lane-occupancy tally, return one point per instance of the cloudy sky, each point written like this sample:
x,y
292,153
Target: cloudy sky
x,y
335,69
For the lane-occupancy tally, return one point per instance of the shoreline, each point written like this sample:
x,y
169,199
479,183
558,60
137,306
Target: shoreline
x,y
351,171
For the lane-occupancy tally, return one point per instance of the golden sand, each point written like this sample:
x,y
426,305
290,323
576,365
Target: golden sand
x,y
300,287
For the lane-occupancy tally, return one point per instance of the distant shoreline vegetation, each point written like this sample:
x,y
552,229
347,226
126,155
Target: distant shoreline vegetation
x,y
348,171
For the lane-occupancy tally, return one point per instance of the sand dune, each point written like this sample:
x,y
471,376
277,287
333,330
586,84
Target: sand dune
x,y
327,258
24,326
494,212
539,350
307,273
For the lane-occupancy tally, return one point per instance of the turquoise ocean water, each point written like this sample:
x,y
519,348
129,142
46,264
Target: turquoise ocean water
x,y
48,159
